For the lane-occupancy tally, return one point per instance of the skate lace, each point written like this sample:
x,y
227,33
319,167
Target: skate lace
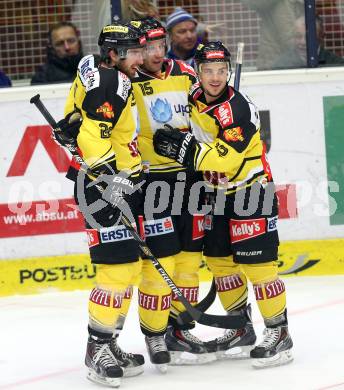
x,y
271,337
229,333
104,356
190,337
118,351
157,344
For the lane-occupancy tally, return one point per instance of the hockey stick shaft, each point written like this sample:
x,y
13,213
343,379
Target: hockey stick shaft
x,y
238,65
197,315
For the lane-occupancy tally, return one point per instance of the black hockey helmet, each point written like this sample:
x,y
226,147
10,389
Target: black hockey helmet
x,y
151,28
213,51
121,37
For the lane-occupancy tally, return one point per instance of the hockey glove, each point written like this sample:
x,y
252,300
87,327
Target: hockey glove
x,y
120,191
172,143
67,130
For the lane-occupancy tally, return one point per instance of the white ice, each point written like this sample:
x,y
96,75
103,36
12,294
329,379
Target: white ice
x,y
43,338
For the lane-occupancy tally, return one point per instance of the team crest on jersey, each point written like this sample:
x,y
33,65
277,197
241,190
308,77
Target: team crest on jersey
x,y
106,110
161,110
224,114
233,135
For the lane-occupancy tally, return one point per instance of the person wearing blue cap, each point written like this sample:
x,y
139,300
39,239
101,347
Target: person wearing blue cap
x,y
4,80
182,29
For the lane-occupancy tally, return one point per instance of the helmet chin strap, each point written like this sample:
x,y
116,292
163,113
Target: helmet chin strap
x,y
214,96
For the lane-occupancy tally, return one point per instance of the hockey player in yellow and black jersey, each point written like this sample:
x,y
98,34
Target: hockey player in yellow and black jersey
x,y
102,96
241,240
173,234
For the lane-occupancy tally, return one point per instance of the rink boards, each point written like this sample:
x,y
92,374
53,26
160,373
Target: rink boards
x,y
302,114
34,275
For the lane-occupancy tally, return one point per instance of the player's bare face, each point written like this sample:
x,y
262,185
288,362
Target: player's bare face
x,y
154,54
213,77
132,62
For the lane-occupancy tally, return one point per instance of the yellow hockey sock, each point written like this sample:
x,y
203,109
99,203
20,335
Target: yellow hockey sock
x,y
231,283
155,297
269,289
106,298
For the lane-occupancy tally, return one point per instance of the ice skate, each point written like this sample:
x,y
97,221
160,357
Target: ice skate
x,y
102,366
187,349
131,364
236,343
274,350
158,353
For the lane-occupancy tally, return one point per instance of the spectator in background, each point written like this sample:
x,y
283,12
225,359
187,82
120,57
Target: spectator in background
x,y
4,80
297,56
137,9
276,28
64,52
325,57
182,30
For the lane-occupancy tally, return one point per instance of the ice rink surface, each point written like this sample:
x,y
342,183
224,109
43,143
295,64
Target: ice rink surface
x,y
43,340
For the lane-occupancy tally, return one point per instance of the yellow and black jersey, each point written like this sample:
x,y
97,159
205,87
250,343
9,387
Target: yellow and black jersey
x,y
162,100
230,151
109,126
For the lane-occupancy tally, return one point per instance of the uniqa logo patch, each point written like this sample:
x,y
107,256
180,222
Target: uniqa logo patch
x,y
161,110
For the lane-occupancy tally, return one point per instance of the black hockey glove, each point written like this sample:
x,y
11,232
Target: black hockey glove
x,y
172,143
121,191
68,130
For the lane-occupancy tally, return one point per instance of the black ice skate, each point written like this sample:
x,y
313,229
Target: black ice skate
x,y
158,352
236,343
186,349
102,365
275,349
131,364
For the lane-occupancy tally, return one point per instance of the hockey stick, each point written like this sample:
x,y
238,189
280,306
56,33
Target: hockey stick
x,y
238,65
185,317
207,301
228,321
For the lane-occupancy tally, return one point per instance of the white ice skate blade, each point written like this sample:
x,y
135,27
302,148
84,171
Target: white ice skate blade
x,y
235,353
279,359
111,382
179,358
161,368
132,371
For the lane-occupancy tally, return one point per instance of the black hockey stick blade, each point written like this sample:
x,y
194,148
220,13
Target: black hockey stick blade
x,y
203,305
229,321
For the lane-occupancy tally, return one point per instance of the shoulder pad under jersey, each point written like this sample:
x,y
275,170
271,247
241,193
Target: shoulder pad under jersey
x,y
88,72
